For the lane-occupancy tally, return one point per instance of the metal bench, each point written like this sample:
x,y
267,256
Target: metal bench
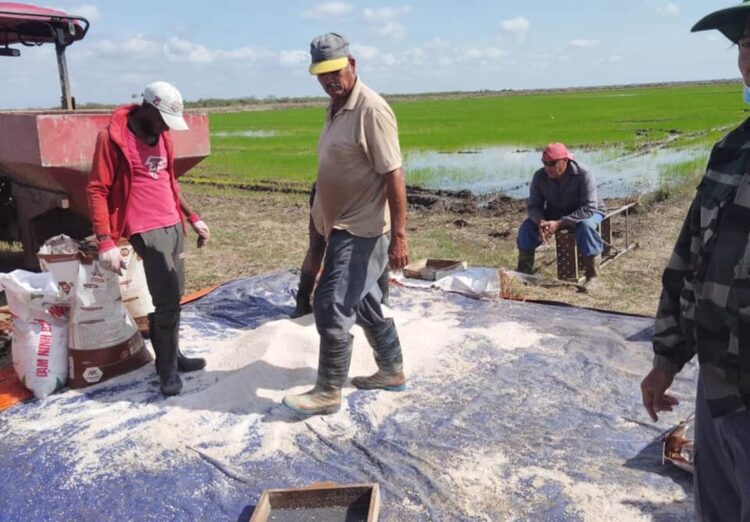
x,y
570,260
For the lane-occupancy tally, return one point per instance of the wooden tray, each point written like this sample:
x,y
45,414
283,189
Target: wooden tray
x,y
433,269
325,502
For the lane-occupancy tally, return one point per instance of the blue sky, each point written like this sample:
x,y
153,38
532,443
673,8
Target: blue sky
x,y
230,48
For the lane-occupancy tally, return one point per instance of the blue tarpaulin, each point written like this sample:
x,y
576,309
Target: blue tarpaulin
x,y
513,411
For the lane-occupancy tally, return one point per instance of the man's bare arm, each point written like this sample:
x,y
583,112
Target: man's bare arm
x,y
398,252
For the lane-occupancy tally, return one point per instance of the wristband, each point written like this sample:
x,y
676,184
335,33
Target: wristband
x,y
194,218
105,245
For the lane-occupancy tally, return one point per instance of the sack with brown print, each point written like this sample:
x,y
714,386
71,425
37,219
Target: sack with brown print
x,y
104,340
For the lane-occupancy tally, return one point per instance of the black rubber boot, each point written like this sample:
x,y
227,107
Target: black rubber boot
x,y
333,367
525,261
334,359
187,364
387,348
591,267
306,285
151,330
164,331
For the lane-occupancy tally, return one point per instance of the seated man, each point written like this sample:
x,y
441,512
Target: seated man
x,y
562,195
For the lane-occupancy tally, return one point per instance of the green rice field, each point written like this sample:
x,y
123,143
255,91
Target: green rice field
x,y
280,144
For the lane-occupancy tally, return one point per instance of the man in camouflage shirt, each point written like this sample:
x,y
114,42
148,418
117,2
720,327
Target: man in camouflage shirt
x,y
705,309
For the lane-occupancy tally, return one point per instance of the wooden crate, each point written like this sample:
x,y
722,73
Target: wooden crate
x,y
325,502
569,264
569,259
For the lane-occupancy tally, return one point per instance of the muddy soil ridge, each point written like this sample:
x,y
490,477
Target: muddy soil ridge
x,y
463,202
420,199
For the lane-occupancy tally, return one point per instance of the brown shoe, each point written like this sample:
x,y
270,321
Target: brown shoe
x,y
381,381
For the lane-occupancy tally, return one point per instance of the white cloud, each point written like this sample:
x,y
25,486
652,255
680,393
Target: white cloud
x,y
243,54
175,50
385,21
391,30
388,59
133,79
486,53
669,9
434,51
416,56
179,50
436,45
293,59
88,11
518,26
611,59
366,52
440,54
136,47
583,43
385,14
446,62
373,57
328,10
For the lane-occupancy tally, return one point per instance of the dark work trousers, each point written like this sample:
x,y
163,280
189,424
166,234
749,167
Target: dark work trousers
x,y
348,293
163,261
721,484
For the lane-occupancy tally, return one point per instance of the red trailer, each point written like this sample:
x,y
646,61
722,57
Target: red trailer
x,y
45,156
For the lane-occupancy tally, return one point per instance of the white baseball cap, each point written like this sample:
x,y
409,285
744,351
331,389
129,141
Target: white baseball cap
x,y
165,97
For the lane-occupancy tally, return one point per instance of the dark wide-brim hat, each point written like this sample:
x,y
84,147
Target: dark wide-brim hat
x,y
730,21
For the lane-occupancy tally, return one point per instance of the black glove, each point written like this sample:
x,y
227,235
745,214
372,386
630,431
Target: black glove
x,y
306,285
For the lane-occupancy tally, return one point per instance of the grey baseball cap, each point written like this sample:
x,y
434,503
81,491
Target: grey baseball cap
x,y
730,21
329,52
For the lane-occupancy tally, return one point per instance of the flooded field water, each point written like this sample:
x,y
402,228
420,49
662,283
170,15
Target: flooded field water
x,y
245,134
509,169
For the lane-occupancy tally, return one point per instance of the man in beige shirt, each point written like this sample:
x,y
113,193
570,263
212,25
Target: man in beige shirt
x,y
360,210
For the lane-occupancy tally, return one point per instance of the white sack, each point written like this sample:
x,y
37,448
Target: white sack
x,y
98,318
475,281
40,339
59,256
133,287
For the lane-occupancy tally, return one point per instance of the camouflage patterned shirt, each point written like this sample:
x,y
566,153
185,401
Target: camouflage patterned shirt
x,y
705,301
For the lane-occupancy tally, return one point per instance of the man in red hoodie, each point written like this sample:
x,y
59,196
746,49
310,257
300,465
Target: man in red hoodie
x,y
133,193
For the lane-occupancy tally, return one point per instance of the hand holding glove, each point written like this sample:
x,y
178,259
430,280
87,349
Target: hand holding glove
x,y
112,260
200,228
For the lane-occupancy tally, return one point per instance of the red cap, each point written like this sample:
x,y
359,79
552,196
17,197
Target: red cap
x,y
556,151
